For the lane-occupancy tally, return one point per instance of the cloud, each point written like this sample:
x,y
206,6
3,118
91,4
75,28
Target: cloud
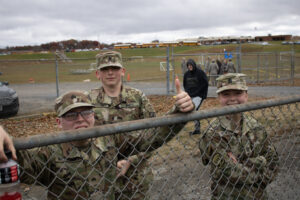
x,y
40,21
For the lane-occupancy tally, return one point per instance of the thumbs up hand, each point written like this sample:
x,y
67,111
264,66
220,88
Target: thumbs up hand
x,y
183,100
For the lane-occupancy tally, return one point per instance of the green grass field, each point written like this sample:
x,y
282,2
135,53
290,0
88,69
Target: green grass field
x,y
19,68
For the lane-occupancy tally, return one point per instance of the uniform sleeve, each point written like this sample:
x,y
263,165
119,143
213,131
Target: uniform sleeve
x,y
265,160
213,152
260,169
147,140
147,110
34,164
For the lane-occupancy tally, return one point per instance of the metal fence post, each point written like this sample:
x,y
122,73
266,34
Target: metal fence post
x,y
168,70
277,65
173,71
258,63
292,65
239,55
56,74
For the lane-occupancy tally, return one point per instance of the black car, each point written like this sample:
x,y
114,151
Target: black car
x,y
9,100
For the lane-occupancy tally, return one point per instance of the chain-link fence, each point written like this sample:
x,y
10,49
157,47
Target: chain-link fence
x,y
260,67
257,155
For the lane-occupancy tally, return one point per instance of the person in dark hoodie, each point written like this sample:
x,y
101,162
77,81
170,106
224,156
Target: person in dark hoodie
x,y
195,83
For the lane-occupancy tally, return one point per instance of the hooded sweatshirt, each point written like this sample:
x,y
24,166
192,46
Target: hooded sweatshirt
x,y
195,82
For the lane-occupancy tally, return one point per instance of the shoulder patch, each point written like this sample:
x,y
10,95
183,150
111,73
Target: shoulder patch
x,y
217,160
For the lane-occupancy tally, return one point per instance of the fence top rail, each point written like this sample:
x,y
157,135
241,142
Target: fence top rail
x,y
67,136
234,53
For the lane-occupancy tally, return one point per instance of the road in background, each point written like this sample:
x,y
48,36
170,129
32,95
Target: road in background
x,y
38,97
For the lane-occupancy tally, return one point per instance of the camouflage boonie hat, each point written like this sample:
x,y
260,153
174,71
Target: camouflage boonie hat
x,y
231,81
109,58
70,100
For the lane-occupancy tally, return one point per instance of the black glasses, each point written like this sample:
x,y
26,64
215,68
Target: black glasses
x,y
71,116
113,68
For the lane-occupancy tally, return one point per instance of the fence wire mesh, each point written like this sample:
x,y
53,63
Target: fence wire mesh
x,y
260,67
169,163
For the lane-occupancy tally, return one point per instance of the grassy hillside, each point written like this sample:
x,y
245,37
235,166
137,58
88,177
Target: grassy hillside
x,y
19,68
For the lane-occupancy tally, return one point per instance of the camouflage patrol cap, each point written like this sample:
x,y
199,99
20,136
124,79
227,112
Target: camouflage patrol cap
x,y
70,100
109,58
231,81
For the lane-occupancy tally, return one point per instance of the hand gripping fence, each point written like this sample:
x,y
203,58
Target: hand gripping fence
x,y
259,159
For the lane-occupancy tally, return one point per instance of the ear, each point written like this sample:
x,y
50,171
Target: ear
x,y
98,74
123,71
218,97
246,93
58,121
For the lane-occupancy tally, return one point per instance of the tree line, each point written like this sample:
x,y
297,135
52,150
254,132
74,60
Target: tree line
x,y
67,45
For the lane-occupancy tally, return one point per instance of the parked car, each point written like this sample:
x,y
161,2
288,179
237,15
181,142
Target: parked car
x,y
297,42
9,100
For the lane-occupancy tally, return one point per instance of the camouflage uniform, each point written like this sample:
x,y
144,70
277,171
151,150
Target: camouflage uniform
x,y
73,173
207,63
68,171
183,66
231,68
131,104
213,72
224,67
257,159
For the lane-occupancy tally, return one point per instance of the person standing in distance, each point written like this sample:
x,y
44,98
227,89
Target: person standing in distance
x,y
213,72
230,66
195,84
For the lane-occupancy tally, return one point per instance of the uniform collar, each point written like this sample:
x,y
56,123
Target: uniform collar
x,y
72,152
226,124
105,99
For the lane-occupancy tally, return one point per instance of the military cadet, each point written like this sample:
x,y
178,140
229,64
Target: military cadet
x,y
213,72
223,69
207,63
115,102
243,161
74,170
183,65
230,66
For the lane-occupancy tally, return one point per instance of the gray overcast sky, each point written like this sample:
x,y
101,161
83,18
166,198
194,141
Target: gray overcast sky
x,y
33,22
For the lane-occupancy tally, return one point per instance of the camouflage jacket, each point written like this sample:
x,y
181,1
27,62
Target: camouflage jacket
x,y
206,68
69,172
132,104
257,159
231,68
213,68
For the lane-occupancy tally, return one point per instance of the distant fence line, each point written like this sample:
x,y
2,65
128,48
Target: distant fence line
x,y
260,67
